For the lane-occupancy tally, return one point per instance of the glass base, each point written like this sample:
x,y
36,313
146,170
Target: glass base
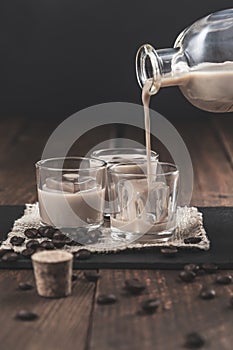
x,y
151,237
87,227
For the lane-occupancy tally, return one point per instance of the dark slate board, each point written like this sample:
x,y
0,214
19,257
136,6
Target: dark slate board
x,y
218,222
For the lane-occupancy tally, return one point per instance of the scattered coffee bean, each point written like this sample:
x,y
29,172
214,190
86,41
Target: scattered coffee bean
x,y
210,268
27,253
192,240
224,279
91,276
25,315
17,241
74,277
59,236
58,243
187,276
194,341
150,305
169,251
31,233
105,299
10,257
47,231
207,293
68,241
32,244
48,245
191,267
82,254
134,286
25,286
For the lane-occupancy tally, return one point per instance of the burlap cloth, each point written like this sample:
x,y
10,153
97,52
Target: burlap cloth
x,y
189,224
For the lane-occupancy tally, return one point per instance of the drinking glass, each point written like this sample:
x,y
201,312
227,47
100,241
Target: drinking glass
x,y
71,191
117,155
143,202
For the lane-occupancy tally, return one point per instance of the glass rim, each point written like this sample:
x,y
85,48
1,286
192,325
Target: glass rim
x,y
123,148
171,172
41,163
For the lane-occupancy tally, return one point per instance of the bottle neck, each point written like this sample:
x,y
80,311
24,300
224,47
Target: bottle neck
x,y
156,65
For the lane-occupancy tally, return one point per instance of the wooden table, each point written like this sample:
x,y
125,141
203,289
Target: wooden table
x,y
78,322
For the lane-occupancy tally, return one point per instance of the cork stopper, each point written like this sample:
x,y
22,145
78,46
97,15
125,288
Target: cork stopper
x,y
53,273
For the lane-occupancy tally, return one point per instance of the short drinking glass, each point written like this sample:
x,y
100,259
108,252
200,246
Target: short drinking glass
x,y
71,191
143,203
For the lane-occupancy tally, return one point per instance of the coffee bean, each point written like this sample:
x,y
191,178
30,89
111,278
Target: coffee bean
x,y
74,277
105,299
27,253
150,305
32,244
224,279
10,257
17,241
207,293
47,231
91,276
4,251
59,236
134,286
210,268
169,251
82,254
48,245
191,267
192,240
25,315
194,341
31,233
58,243
25,286
68,241
187,276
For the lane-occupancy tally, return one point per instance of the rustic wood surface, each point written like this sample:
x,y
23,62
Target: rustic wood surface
x,y
78,322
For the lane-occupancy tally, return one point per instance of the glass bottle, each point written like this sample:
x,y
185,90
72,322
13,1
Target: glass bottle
x,y
200,63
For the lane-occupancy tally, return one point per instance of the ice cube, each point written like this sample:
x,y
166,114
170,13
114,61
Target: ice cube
x,y
70,177
158,201
132,198
85,183
64,186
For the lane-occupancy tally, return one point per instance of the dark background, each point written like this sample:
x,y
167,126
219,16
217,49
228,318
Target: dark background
x,y
59,56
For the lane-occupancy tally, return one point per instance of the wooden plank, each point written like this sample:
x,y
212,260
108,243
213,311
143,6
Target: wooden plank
x,y
118,326
210,146
62,324
223,126
17,177
212,169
